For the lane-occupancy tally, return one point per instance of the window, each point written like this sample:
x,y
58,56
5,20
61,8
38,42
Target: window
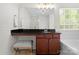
x,y
69,18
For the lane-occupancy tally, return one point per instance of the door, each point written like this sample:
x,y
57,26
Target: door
x,y
41,45
54,44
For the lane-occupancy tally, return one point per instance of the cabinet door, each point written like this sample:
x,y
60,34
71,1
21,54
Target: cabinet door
x,y
54,46
42,46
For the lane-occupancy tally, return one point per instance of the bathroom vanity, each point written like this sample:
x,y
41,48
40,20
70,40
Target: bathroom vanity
x,y
47,40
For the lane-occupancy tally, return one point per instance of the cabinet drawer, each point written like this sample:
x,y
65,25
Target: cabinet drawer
x,y
56,36
47,36
40,36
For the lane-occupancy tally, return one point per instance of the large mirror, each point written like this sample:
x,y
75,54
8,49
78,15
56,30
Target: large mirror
x,y
32,17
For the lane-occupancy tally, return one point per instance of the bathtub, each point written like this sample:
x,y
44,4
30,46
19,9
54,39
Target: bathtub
x,y
70,47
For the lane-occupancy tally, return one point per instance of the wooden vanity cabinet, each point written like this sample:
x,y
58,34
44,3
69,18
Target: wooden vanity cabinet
x,y
47,44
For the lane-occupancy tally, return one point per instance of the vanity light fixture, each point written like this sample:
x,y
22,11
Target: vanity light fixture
x,y
45,5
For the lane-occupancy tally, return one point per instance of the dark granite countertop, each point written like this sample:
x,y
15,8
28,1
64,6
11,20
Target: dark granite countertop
x,y
32,31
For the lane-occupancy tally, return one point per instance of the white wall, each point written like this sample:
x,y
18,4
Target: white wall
x,y
7,12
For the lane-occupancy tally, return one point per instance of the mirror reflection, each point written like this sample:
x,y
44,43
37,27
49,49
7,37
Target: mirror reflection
x,y
36,16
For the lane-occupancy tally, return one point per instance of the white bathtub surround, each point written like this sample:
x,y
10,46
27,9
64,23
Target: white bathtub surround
x,y
69,47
